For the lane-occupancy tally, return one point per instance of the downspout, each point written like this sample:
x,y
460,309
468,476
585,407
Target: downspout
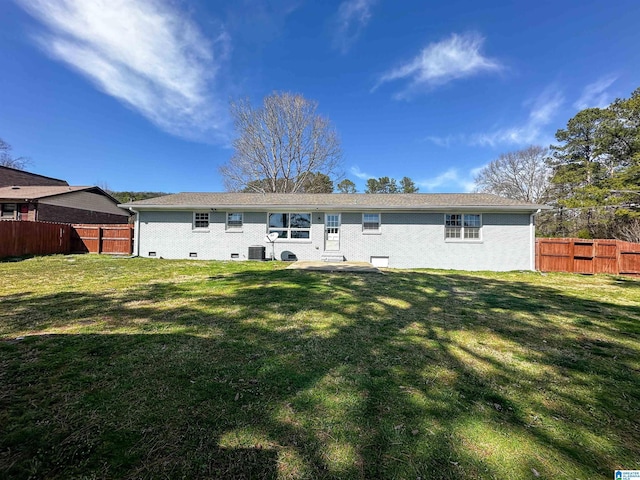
x,y
532,225
136,232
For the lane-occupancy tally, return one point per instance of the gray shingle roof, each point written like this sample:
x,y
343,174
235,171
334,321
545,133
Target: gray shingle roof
x,y
35,192
338,201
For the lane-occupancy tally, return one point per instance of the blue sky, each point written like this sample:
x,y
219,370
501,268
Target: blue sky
x,y
134,94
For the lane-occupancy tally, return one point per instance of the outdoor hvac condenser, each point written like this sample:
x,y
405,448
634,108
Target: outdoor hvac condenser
x,y
256,252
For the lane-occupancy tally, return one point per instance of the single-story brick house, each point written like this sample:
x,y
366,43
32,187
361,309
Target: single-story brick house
x,y
62,204
452,231
33,197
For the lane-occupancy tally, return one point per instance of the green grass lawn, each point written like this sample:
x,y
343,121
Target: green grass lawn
x,y
142,368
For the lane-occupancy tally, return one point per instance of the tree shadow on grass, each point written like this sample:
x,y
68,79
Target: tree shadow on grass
x,y
626,281
311,375
15,259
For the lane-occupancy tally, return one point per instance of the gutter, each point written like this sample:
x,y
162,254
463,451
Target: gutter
x,y
343,208
532,260
136,238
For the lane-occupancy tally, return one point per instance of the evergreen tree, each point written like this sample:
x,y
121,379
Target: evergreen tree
x,y
596,169
346,186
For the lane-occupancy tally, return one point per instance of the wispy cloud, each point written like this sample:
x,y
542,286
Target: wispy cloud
x,y
595,94
456,57
352,17
142,52
356,172
451,180
542,111
445,141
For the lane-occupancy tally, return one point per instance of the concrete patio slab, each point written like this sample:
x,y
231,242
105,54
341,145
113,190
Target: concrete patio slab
x,y
319,266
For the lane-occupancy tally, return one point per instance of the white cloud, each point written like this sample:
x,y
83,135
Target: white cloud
x,y
353,16
458,56
142,52
595,94
542,111
451,180
449,176
445,142
359,173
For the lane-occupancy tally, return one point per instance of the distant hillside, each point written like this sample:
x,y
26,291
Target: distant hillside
x,y
124,197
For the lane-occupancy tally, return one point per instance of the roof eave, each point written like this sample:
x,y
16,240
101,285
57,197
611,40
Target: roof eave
x,y
33,198
342,208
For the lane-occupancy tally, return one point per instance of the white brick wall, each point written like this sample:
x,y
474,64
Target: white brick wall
x,y
410,240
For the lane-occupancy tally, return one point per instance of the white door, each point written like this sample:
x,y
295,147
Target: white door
x,y
332,232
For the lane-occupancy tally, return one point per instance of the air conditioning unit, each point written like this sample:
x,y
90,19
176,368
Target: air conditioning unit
x,y
257,252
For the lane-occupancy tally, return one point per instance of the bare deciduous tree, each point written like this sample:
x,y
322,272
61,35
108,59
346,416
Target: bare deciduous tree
x,y
280,144
7,160
521,175
628,229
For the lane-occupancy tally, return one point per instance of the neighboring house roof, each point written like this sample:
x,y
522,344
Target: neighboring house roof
x,y
336,201
20,193
36,192
27,178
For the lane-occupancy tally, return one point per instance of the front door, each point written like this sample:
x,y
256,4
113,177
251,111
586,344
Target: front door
x,y
332,232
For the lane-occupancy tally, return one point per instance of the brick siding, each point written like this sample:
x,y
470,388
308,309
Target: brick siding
x,y
53,213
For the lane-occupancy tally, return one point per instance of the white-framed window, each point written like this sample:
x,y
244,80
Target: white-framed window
x,y
463,226
296,226
8,210
200,220
234,220
370,222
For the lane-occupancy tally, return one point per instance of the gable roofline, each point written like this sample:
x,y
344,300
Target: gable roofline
x,y
106,194
34,174
29,193
333,202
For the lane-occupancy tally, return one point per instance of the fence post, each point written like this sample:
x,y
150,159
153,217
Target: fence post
x,y
572,255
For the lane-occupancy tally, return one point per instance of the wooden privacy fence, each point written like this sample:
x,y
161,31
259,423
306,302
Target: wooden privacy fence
x,y
112,239
579,255
18,239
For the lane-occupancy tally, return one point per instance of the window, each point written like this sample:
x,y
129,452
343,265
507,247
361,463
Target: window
x,y
370,222
471,226
234,221
462,226
201,220
453,225
290,225
7,210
